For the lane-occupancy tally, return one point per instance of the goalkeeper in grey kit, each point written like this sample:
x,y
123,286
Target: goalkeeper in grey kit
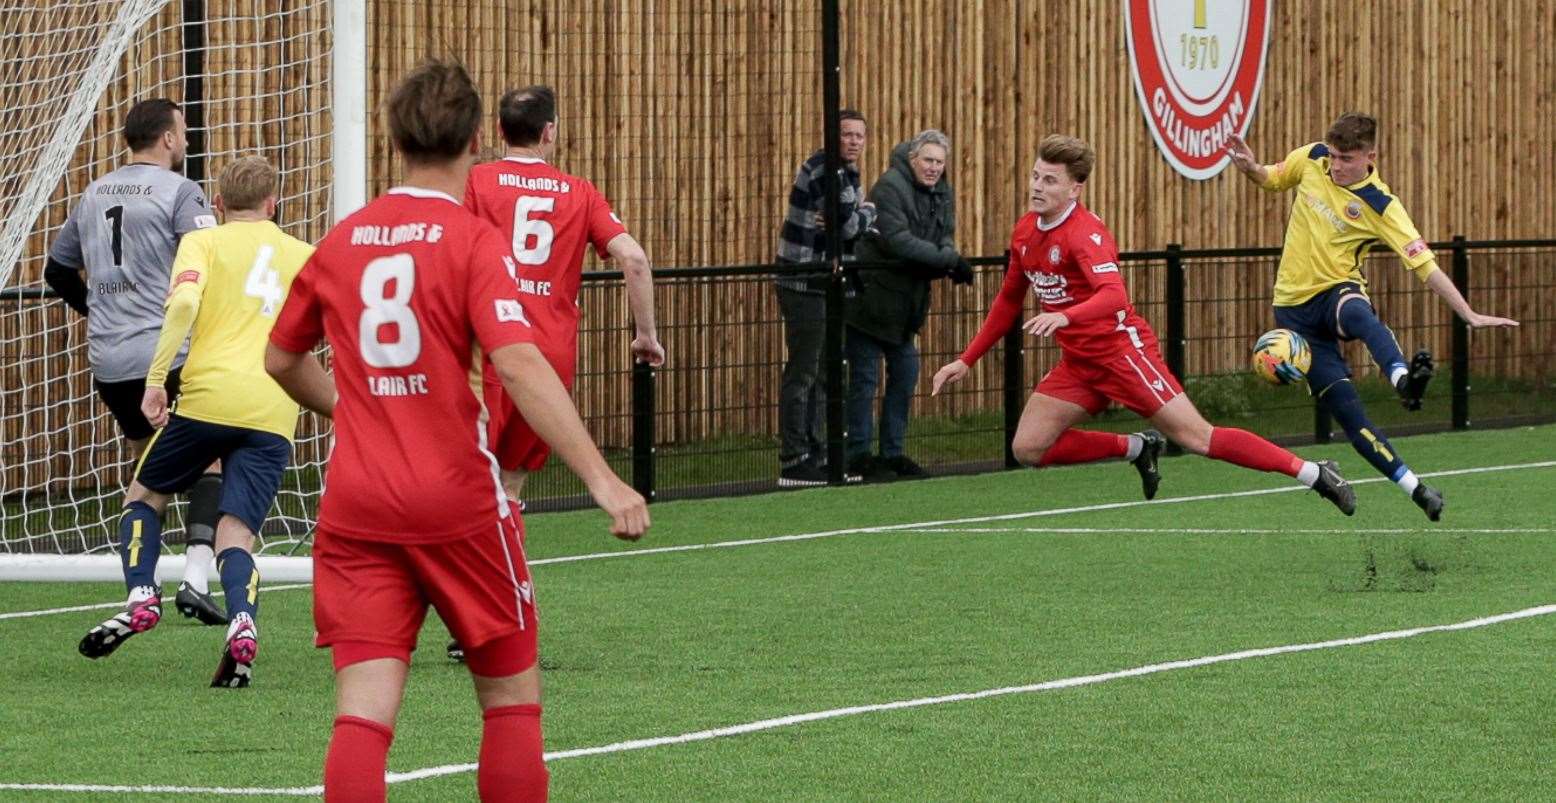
x,y
111,263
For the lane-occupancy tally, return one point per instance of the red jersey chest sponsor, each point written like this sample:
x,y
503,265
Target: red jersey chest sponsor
x,y
405,290
550,218
1066,264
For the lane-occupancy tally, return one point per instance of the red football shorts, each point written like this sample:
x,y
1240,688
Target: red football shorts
x,y
516,446
1137,379
377,592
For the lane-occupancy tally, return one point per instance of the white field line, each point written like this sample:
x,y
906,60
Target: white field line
x,y
1229,530
629,553
835,713
120,604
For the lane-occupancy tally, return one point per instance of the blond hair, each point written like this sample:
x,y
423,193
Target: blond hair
x,y
245,183
1077,157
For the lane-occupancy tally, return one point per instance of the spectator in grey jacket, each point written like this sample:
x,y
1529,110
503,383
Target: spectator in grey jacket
x,y
802,456
915,237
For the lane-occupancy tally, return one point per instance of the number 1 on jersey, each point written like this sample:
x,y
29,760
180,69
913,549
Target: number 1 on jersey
x,y
526,228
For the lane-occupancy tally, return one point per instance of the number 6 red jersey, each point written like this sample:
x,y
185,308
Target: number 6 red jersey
x,y
405,290
551,217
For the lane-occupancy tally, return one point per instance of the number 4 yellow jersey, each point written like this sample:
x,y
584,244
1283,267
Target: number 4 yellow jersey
x,y
228,284
1332,227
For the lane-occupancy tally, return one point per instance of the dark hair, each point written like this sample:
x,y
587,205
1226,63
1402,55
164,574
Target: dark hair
x,y
434,112
524,113
1352,131
148,120
844,115
1077,157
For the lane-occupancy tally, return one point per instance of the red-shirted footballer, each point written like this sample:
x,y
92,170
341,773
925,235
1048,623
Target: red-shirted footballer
x,y
1066,256
410,291
551,218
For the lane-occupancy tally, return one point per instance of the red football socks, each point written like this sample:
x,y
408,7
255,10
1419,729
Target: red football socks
x,y
1243,448
354,765
513,764
1084,446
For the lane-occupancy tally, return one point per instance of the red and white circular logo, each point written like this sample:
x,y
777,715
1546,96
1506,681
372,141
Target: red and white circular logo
x,y
1198,67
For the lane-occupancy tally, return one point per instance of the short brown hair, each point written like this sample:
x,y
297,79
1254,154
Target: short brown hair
x,y
147,121
245,183
1077,157
434,112
1352,131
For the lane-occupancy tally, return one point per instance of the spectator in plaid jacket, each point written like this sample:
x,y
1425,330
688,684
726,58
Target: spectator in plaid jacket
x,y
802,300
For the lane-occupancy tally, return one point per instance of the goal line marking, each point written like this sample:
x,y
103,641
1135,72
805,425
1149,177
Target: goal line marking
x,y
832,713
629,553
1231,530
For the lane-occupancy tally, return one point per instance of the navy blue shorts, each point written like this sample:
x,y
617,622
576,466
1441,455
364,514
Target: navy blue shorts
x,y
252,464
1318,321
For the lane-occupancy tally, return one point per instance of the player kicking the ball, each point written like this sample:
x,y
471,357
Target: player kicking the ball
x,y
1342,208
227,287
411,291
1108,352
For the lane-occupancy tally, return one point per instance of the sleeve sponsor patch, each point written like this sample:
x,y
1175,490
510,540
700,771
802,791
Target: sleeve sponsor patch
x,y
1415,248
205,221
509,310
190,276
1106,267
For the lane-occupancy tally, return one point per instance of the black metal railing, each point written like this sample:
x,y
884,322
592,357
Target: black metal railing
x,y
706,423
1183,290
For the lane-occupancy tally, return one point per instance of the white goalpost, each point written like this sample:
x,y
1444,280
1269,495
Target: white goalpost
x,y
284,80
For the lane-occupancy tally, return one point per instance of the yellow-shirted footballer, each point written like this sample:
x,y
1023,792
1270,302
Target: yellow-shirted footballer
x,y
1340,211
227,285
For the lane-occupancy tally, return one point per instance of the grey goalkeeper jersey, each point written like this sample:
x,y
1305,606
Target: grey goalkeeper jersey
x,y
125,231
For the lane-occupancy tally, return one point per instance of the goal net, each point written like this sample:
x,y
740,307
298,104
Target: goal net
x,y
253,78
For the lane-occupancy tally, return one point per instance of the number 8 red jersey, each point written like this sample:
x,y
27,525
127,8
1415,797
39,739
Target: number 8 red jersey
x,y
405,290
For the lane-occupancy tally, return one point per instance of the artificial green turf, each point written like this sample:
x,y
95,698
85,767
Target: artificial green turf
x,y
664,644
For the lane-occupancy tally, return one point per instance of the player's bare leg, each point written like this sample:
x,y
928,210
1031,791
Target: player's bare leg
x,y
367,702
240,582
512,764
140,544
1181,422
1046,436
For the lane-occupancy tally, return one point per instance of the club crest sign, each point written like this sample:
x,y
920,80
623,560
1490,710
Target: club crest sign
x,y
1198,66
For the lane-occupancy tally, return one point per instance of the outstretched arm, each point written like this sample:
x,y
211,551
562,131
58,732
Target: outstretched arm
x,y
1443,287
1244,160
626,252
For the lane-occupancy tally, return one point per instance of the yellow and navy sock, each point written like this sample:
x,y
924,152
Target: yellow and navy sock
x,y
1360,321
1345,405
240,580
140,544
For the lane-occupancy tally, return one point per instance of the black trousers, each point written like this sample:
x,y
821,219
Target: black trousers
x,y
802,397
